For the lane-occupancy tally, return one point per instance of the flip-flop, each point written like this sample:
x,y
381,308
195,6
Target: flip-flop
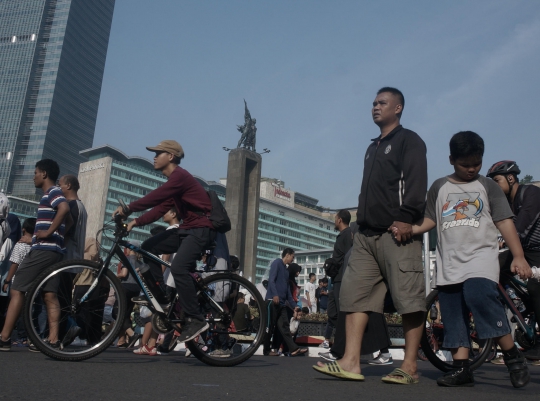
x,y
333,369
405,377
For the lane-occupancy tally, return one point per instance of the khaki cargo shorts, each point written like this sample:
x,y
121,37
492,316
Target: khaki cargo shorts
x,y
378,259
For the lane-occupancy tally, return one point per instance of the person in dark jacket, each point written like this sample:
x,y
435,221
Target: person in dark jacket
x,y
277,296
392,197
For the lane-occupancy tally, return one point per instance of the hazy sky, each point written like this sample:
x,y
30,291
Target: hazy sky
x,y
309,71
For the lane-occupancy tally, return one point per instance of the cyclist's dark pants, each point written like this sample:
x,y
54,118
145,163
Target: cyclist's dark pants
x,y
163,243
192,243
533,285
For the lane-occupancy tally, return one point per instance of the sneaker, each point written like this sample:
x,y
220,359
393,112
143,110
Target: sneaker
x,y
33,348
192,328
145,350
220,353
535,363
381,360
498,361
188,353
70,336
328,356
5,345
517,367
457,378
324,344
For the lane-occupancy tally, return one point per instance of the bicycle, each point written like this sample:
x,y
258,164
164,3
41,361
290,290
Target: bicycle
x,y
480,350
83,288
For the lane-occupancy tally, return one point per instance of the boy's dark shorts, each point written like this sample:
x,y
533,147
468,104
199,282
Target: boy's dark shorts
x,y
478,296
32,266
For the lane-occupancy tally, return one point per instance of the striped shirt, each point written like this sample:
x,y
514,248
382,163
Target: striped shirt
x,y
19,252
47,209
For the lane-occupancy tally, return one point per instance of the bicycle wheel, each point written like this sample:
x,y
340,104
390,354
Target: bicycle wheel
x,y
53,311
433,336
224,344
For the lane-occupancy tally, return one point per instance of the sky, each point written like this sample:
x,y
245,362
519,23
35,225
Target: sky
x,y
309,71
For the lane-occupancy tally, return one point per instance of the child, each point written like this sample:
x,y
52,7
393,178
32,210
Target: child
x,y
467,210
47,249
20,250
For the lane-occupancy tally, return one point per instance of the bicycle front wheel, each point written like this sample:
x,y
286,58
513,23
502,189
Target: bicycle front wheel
x,y
236,326
63,327
433,337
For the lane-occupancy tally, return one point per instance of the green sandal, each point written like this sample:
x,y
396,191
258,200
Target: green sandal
x,y
405,377
333,369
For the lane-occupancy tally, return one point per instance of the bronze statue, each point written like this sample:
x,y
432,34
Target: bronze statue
x,y
248,130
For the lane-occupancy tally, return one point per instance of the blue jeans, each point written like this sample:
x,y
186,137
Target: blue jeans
x,y
478,296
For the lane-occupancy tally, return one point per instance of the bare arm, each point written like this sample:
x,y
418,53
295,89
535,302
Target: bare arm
x,y
123,273
425,225
510,236
12,269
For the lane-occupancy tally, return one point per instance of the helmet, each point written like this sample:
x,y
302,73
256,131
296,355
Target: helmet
x,y
503,168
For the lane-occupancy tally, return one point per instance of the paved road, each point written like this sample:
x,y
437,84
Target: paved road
x,y
120,375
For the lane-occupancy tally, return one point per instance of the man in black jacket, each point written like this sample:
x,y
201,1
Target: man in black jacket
x,y
393,195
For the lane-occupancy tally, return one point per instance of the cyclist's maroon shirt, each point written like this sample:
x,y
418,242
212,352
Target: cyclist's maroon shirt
x,y
182,191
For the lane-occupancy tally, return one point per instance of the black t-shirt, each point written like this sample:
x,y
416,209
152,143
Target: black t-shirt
x,y
74,211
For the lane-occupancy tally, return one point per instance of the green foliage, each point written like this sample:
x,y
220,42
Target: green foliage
x,y
526,180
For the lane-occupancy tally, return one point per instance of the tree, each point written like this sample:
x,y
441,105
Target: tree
x,y
526,180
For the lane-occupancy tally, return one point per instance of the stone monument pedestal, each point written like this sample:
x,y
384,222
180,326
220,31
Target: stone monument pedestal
x,y
242,203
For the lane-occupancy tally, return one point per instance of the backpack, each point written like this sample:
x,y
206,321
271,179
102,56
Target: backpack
x,y
218,216
331,267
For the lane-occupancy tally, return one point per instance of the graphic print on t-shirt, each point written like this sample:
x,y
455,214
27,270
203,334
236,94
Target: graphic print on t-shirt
x,y
462,209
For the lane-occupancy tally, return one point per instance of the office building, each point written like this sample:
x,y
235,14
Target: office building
x,y
52,57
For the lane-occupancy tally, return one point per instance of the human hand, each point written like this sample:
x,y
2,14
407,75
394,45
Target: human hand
x,y
276,300
26,240
42,234
402,231
5,287
130,225
521,267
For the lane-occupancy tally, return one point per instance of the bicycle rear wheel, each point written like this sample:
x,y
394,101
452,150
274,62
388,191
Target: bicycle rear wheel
x,y
433,336
224,344
53,306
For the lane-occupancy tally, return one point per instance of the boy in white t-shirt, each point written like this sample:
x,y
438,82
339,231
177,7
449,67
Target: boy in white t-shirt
x,y
310,290
468,209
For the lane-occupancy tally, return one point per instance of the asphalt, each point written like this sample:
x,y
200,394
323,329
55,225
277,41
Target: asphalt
x,y
121,375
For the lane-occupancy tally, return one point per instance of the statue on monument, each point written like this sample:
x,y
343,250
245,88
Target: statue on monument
x,y
248,130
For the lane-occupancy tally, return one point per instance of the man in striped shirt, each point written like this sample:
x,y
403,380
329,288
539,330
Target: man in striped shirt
x,y
47,249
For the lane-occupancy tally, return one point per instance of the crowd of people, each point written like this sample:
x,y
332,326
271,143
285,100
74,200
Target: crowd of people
x,y
376,264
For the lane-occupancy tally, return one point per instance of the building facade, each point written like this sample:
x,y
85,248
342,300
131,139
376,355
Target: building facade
x,y
109,175
52,58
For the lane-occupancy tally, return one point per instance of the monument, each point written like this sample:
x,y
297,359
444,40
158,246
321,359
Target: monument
x,y
243,195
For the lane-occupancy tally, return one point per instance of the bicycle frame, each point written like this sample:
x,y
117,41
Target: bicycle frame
x,y
118,242
528,329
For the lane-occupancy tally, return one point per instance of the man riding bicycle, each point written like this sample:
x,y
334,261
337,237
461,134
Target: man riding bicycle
x,y
525,203
195,234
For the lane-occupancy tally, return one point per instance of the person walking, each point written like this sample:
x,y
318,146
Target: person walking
x,y
392,196
277,297
310,290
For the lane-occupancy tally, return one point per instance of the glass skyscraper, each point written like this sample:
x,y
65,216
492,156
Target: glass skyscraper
x,y
52,57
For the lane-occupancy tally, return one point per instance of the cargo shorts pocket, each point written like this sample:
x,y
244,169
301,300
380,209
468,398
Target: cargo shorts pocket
x,y
411,277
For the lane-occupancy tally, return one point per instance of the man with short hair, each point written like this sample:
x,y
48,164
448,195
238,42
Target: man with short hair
x,y
47,249
392,197
309,291
277,297
76,234
196,233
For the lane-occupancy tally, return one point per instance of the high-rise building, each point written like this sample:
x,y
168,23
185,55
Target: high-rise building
x,y
52,57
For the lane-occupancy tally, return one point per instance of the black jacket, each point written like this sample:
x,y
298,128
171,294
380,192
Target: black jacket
x,y
343,243
394,185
